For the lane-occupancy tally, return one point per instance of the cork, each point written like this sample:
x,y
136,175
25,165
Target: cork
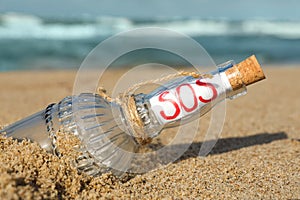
x,y
245,73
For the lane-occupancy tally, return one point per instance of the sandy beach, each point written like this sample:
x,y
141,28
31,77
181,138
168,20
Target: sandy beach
x,y
257,156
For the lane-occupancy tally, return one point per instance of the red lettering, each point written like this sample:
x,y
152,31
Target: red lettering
x,y
194,96
212,87
177,109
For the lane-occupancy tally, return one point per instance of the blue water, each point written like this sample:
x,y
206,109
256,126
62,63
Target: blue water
x,y
31,42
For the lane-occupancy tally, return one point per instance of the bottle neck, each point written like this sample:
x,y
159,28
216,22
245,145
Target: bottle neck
x,y
232,79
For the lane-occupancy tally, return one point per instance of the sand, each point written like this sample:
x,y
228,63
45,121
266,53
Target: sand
x,y
257,156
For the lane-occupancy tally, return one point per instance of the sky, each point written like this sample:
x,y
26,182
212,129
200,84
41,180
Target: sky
x,y
231,9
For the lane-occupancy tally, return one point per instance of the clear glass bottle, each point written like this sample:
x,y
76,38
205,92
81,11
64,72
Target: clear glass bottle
x,y
108,136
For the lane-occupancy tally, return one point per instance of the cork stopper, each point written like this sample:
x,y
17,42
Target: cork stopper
x,y
245,73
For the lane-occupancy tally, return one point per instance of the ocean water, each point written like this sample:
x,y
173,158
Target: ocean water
x,y
31,42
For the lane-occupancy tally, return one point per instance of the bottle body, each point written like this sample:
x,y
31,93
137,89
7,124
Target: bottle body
x,y
100,126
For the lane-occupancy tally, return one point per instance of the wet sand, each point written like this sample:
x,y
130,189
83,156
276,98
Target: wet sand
x,y
257,156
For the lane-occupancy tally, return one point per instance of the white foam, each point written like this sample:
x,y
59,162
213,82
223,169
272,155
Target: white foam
x,y
18,26
283,29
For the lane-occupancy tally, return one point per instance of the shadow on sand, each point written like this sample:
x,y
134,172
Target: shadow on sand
x,y
224,145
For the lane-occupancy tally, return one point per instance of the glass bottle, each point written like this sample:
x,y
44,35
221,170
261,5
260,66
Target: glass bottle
x,y
108,134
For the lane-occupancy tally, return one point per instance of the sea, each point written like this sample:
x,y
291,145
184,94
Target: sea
x,y
34,42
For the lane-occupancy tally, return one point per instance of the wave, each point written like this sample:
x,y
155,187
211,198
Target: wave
x,y
20,26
